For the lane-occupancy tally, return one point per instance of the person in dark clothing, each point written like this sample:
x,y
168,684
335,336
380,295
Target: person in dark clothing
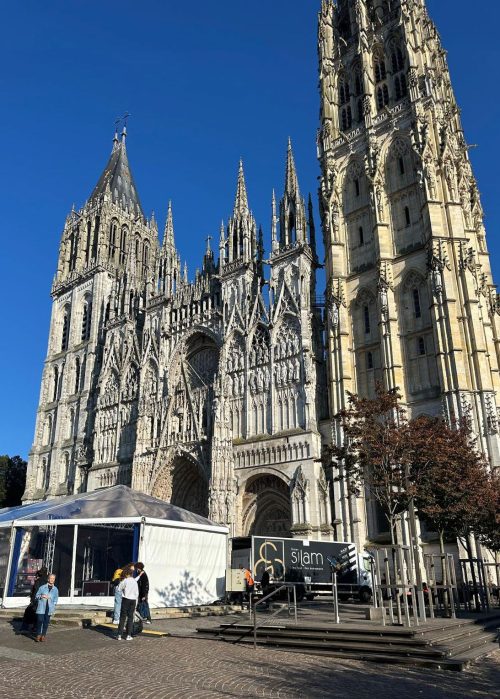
x,y
130,593
143,583
29,618
264,585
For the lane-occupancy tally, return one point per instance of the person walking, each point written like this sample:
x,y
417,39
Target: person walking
x,y
143,583
265,585
130,593
47,596
115,584
29,618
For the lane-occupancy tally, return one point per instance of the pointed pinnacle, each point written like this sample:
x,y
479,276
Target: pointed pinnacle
x,y
168,235
241,201
291,181
274,218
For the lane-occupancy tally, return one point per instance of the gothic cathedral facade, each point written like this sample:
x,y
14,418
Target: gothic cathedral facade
x,y
218,393
206,393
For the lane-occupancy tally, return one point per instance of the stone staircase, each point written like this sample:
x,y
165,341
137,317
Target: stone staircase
x,y
446,644
74,616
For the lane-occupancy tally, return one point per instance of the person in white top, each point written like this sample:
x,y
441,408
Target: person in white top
x,y
130,593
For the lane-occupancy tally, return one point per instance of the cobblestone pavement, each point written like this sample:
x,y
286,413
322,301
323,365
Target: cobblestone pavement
x,y
88,664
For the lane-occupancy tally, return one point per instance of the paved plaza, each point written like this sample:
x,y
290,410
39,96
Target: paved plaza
x,y
87,663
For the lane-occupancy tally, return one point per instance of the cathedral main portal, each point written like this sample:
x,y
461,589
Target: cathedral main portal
x,y
183,485
266,507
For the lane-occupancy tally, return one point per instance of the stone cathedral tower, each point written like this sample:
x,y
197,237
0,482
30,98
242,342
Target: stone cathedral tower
x,y
106,263
410,296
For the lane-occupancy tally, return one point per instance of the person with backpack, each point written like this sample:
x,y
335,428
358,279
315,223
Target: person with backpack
x,y
29,618
130,594
143,584
47,597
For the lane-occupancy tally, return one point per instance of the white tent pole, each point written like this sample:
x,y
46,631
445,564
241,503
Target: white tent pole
x,y
9,564
73,561
140,553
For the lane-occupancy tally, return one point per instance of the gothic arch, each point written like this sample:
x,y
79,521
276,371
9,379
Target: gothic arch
x,y
184,345
183,483
266,508
416,333
395,152
364,296
353,170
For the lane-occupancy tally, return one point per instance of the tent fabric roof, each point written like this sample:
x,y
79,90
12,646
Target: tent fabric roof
x,y
108,504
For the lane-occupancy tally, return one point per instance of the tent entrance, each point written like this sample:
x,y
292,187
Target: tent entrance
x,y
83,557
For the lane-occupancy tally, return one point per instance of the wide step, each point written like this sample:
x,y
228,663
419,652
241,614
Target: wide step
x,y
449,645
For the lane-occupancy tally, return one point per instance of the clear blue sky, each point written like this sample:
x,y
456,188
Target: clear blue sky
x,y
205,83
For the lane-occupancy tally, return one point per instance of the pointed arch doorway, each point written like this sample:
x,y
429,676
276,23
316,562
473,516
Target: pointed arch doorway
x,y
266,507
183,484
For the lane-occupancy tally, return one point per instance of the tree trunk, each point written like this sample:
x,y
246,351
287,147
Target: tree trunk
x,y
392,525
444,570
475,591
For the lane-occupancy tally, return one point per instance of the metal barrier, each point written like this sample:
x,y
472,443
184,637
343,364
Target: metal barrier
x,y
395,581
442,596
254,605
475,591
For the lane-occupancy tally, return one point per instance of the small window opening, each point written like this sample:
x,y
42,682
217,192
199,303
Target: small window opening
x,y
369,361
366,312
77,375
416,304
65,332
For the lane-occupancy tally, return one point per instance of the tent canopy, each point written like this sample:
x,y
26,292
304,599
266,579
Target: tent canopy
x,y
112,503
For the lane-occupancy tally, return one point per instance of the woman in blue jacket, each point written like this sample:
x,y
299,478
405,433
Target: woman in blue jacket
x,y
46,597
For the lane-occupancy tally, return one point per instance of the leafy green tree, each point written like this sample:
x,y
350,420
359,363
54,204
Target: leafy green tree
x,y
489,523
450,477
375,449
12,480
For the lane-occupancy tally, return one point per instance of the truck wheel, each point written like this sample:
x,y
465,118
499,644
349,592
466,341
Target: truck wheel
x,y
365,595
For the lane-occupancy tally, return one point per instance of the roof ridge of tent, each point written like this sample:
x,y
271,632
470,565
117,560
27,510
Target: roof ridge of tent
x,y
71,498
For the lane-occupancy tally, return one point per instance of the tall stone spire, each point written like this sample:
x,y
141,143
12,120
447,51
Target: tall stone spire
x,y
241,200
274,224
169,274
312,228
242,230
293,223
168,235
117,180
291,180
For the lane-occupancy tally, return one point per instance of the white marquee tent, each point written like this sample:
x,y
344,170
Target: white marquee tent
x,y
84,538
